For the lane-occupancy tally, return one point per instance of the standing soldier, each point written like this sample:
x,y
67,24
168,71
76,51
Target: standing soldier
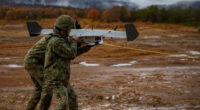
x,y
34,64
61,49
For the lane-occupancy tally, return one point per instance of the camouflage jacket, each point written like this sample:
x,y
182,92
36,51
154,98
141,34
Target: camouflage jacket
x,y
36,54
59,53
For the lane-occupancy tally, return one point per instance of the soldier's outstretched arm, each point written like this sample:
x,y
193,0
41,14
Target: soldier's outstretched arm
x,y
60,47
83,49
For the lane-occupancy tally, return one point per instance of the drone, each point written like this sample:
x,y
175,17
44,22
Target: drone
x,y
89,36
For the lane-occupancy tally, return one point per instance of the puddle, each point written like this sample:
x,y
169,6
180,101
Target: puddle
x,y
195,73
133,62
145,73
153,42
183,59
12,89
13,66
113,97
154,37
152,108
8,58
194,52
5,58
176,107
125,64
173,35
87,64
179,55
197,106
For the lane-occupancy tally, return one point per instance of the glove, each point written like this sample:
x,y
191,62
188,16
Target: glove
x,y
96,43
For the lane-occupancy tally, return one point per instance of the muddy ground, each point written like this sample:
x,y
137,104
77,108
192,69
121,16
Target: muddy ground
x,y
113,78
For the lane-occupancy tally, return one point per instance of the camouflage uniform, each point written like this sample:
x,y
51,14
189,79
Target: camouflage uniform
x,y
34,63
60,51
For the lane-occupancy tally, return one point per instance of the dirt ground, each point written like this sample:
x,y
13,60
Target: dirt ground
x,y
113,78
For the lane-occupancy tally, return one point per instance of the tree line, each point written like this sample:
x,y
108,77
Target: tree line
x,y
188,16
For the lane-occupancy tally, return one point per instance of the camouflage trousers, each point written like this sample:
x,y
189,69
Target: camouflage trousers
x,y
65,96
36,74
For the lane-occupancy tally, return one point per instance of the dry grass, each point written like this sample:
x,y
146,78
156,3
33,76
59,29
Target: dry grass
x,y
48,23
12,29
14,48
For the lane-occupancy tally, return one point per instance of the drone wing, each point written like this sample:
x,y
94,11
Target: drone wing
x,y
131,32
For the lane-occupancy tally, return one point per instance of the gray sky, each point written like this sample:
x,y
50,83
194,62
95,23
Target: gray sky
x,y
145,3
140,3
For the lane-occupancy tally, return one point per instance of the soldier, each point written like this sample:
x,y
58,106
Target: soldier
x,y
61,49
34,64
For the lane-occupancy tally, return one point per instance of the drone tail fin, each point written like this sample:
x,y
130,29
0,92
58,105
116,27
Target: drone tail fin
x,y
131,32
34,28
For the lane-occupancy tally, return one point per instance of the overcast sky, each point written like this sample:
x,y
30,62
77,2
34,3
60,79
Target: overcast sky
x,y
140,3
144,3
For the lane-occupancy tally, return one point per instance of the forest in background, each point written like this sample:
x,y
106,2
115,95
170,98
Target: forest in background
x,y
154,14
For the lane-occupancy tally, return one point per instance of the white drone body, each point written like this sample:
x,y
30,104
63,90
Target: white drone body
x,y
89,36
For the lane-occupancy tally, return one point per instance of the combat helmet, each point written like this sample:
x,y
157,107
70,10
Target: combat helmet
x,y
64,22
